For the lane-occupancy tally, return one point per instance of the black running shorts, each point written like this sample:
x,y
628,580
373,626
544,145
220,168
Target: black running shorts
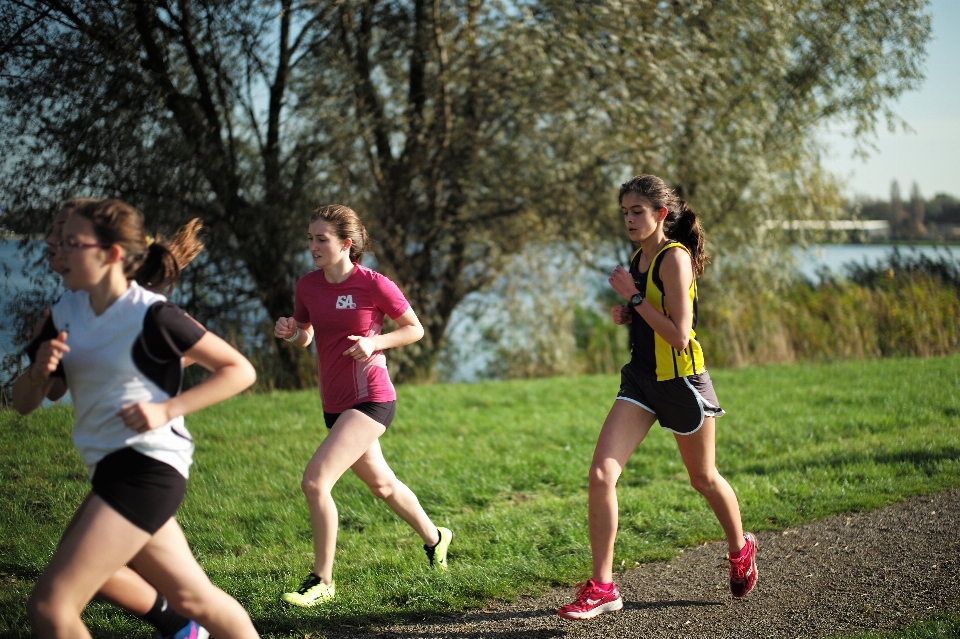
x,y
146,492
380,412
680,404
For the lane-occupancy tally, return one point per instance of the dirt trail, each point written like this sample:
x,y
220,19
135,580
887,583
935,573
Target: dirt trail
x,y
857,572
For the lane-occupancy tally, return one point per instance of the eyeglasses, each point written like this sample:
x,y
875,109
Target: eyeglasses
x,y
69,245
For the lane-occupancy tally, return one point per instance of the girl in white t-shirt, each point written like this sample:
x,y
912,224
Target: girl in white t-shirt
x,y
119,347
127,588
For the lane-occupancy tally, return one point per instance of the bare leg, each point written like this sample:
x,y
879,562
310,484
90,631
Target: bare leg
x,y
623,430
349,439
99,542
168,562
125,588
129,590
698,451
374,471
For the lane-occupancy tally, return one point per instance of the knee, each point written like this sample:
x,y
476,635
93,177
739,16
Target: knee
x,y
383,489
604,475
314,488
704,483
43,612
37,610
189,603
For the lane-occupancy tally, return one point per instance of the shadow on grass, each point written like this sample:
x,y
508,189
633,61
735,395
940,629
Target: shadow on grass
x,y
11,572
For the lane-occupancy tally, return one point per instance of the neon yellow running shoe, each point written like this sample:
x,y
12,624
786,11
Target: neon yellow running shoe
x,y
312,592
438,554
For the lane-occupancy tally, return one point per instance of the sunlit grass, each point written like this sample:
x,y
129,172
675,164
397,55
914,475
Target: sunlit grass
x,y
943,626
504,464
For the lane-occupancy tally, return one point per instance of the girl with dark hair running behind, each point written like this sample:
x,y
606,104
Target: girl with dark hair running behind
x,y
666,381
120,347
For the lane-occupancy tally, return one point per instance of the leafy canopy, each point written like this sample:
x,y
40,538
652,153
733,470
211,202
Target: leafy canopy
x,y
460,130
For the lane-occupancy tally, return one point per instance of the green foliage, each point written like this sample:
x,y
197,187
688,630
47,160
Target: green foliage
x,y
943,208
939,216
545,318
905,307
504,464
461,131
601,345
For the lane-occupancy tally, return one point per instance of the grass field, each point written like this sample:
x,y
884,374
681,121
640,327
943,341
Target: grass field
x,y
943,626
504,464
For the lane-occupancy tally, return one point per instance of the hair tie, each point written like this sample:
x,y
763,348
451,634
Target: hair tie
x,y
150,241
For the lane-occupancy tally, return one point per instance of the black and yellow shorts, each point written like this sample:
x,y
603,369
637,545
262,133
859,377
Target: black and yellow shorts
x,y
680,404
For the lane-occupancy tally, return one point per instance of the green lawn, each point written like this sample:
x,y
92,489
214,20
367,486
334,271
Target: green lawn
x,y
942,626
504,464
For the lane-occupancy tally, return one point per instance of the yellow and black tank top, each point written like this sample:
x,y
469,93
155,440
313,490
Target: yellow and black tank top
x,y
651,355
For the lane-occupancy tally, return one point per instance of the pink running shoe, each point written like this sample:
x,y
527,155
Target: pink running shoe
x,y
743,571
591,601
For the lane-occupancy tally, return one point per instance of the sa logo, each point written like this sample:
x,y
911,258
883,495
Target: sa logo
x,y
345,301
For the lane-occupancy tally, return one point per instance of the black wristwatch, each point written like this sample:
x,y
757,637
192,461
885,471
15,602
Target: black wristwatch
x,y
635,300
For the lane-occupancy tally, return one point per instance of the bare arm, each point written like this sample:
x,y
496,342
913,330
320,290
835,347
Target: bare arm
x,y
232,373
36,382
300,332
408,331
676,271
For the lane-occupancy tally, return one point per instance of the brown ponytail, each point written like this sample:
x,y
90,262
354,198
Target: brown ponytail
x,y
682,224
346,224
152,263
685,228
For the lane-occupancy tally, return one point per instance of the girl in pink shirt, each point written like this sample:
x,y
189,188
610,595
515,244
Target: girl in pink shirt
x,y
342,306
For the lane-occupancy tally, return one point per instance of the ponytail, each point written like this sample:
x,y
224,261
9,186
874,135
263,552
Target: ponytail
x,y
161,267
682,224
152,263
685,228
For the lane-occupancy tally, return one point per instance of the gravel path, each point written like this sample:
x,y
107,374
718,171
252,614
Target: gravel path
x,y
863,571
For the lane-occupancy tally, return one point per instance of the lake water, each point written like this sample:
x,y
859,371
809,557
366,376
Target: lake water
x,y
835,256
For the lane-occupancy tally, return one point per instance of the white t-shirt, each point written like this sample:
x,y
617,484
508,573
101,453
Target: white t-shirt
x,y
131,353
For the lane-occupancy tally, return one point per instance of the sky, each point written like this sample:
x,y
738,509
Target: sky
x,y
930,156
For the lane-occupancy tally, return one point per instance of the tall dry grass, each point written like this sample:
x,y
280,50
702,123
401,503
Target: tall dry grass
x,y
905,307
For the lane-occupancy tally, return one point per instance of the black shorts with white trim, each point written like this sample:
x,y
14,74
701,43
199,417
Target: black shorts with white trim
x,y
680,404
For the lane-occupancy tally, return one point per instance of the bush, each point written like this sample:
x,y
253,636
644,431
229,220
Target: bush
x,y
903,307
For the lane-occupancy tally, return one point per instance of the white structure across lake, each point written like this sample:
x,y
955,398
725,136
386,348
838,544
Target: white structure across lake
x,y
871,228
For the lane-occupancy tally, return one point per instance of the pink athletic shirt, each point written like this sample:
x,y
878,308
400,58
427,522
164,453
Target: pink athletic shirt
x,y
355,306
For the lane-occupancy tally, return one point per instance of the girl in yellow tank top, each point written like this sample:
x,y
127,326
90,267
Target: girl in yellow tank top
x,y
666,381
653,355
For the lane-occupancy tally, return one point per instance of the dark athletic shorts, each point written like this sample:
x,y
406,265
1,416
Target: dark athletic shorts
x,y
380,412
680,404
146,492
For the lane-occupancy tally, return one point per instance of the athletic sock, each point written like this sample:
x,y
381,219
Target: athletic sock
x,y
603,587
165,619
